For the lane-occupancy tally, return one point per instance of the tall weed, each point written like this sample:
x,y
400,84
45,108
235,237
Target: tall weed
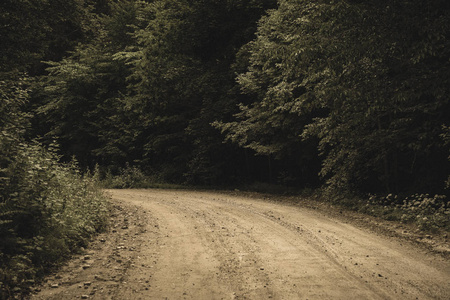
x,y
48,210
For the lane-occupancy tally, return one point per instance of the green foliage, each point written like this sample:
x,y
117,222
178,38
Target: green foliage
x,y
128,177
32,31
364,78
386,108
47,210
353,90
175,57
134,178
429,213
358,82
82,98
13,96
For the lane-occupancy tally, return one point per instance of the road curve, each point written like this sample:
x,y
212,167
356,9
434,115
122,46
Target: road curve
x,y
208,245
216,246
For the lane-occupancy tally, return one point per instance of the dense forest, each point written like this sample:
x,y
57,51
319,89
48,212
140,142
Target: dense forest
x,y
345,94
342,96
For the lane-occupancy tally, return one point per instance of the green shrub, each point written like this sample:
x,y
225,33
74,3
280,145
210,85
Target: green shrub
x,y
131,177
48,210
429,213
128,177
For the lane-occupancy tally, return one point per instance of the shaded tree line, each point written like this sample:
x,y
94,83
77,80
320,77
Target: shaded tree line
x,y
351,95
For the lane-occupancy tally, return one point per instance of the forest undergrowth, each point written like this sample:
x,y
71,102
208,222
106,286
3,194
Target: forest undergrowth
x,y
427,213
48,212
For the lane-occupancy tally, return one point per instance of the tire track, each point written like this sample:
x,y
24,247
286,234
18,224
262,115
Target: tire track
x,y
206,245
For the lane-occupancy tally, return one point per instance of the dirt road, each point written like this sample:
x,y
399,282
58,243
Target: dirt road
x,y
205,245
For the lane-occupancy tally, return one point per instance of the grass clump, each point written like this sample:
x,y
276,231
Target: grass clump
x,y
428,213
132,177
128,177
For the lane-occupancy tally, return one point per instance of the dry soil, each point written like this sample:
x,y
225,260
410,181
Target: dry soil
x,y
210,245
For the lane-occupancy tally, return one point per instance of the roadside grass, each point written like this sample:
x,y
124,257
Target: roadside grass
x,y
429,213
275,189
132,177
48,211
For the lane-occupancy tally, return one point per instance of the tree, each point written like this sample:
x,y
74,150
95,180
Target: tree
x,y
181,82
81,101
32,31
364,78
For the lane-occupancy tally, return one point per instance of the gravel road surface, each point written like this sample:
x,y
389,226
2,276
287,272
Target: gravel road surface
x,y
172,244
